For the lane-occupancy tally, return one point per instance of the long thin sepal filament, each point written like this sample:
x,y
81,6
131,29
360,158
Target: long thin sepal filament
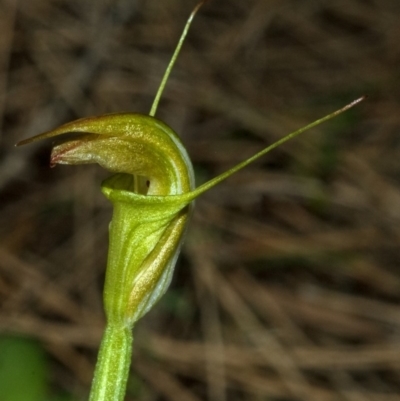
x,y
173,59
292,135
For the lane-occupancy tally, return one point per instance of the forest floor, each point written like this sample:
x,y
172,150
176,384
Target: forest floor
x,y
288,286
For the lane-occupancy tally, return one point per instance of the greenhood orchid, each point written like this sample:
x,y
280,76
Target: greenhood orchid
x,y
151,192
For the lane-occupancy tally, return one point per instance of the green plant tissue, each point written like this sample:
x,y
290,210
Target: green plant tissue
x,y
23,370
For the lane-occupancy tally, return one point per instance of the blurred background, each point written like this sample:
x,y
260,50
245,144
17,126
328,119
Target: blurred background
x,y
288,287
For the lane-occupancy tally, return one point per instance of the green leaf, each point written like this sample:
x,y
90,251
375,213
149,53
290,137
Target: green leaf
x,y
23,370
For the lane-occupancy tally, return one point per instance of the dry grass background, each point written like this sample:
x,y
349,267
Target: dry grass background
x,y
288,287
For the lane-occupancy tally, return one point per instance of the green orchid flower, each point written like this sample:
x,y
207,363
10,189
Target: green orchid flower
x,y
151,192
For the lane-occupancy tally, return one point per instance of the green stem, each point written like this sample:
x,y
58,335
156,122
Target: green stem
x,y
112,368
